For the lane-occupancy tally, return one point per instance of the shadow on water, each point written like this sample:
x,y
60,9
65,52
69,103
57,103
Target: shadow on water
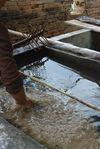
x,y
92,77
95,120
28,57
87,74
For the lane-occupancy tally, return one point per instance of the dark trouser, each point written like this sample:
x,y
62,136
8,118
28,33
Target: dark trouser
x,y
10,76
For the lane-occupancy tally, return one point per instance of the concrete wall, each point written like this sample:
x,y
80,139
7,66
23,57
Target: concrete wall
x,y
38,7
93,8
56,10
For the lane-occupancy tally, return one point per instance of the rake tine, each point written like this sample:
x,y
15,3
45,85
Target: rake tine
x,y
36,40
41,41
36,44
29,46
45,39
36,29
32,45
44,26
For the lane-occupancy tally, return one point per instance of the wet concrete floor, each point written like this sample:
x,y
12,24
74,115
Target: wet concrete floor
x,y
58,122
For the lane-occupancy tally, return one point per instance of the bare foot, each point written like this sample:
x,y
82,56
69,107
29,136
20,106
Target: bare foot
x,y
28,103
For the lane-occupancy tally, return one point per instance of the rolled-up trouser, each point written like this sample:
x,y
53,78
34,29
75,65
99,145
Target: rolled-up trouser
x,y
10,75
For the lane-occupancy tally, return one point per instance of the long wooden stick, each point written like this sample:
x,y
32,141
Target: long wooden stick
x,y
18,33
62,92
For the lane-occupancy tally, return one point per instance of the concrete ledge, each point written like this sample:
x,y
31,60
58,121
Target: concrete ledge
x,y
13,138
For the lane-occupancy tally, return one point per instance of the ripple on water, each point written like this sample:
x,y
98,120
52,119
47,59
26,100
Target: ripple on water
x,y
58,122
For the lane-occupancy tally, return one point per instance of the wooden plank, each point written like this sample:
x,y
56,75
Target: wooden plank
x,y
18,33
84,25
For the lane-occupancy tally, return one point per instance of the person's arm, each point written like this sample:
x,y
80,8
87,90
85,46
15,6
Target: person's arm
x,y
10,76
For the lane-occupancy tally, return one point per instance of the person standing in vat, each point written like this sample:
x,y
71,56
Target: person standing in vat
x,y
10,76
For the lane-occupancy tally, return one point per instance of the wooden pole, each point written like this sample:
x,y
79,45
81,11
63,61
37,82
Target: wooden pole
x,y
18,33
62,92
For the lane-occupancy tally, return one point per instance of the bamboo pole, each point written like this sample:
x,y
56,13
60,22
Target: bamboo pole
x,y
62,92
18,33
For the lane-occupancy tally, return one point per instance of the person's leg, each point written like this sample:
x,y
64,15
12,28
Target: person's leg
x,y
10,76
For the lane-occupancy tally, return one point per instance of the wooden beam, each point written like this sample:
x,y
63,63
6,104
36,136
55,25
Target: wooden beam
x,y
84,25
16,33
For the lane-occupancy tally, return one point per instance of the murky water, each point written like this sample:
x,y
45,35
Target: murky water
x,y
58,122
66,79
